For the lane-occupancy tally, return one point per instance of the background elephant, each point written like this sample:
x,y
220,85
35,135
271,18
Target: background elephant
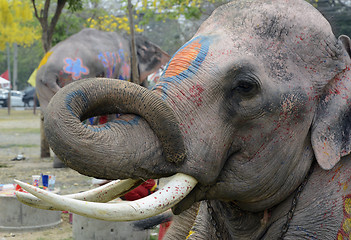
x,y
94,53
253,113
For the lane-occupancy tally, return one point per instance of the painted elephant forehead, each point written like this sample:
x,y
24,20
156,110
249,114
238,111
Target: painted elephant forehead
x,y
185,63
183,59
187,59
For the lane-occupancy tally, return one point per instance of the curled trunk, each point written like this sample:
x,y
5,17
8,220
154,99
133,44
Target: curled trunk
x,y
130,146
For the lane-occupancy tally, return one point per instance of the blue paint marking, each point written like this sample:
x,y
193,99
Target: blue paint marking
x,y
73,95
308,233
121,54
75,67
109,61
107,126
91,120
132,122
194,66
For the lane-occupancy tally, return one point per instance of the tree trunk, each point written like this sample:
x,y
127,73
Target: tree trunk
x,y
9,71
14,82
46,38
135,71
8,61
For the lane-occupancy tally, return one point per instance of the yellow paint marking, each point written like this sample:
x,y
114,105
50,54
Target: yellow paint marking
x,y
45,59
348,205
191,232
347,225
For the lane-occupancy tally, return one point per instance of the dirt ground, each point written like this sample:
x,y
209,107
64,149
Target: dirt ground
x,y
20,135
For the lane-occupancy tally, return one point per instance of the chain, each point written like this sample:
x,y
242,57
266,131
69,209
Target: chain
x,y
295,199
213,220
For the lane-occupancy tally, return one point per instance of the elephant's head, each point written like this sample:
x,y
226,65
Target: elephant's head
x,y
94,53
150,57
244,107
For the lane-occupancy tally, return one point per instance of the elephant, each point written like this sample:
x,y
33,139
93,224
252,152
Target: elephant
x,y
94,53
251,117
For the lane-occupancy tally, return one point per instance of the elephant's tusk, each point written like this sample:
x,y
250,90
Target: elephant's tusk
x,y
177,188
102,194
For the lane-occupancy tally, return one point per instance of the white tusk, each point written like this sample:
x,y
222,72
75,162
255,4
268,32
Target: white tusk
x,y
105,193
175,190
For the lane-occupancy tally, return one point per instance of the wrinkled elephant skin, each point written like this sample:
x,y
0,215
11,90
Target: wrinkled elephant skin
x,y
259,96
94,53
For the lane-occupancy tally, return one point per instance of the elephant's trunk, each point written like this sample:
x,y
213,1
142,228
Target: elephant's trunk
x,y
120,148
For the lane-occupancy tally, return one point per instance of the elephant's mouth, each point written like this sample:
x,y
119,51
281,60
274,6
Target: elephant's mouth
x,y
92,203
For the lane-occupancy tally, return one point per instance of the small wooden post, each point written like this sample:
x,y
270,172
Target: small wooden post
x,y
135,71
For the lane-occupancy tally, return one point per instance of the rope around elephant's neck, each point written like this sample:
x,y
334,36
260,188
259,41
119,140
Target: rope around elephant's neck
x,y
295,199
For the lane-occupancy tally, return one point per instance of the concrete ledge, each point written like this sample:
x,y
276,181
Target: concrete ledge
x,y
92,229
16,216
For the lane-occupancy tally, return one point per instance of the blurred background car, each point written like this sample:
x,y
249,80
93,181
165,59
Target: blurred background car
x,y
30,97
16,98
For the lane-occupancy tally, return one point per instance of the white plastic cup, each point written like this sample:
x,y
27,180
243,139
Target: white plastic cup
x,y
51,183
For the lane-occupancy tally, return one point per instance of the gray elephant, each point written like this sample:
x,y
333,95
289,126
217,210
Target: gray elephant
x,y
252,116
94,53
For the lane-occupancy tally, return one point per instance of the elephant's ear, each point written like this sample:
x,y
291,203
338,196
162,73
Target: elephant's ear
x,y
331,130
150,57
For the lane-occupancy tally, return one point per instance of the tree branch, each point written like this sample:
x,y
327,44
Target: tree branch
x,y
35,10
135,71
55,18
46,10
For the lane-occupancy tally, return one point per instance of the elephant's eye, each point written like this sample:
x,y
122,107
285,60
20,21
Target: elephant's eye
x,y
246,87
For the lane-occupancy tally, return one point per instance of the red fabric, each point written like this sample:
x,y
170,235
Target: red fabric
x,y
5,75
149,184
163,229
141,191
103,119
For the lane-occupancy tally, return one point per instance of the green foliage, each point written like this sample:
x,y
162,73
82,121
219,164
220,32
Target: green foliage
x,y
75,5
68,25
28,59
150,10
161,10
166,34
111,23
48,19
